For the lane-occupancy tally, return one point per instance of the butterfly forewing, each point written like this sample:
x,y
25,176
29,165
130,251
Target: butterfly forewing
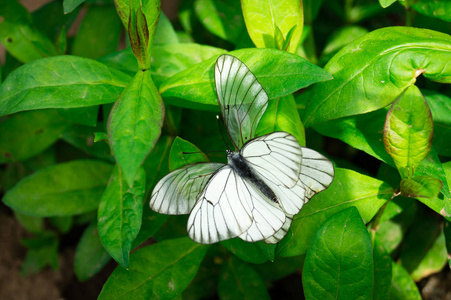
x,y
276,156
241,97
178,192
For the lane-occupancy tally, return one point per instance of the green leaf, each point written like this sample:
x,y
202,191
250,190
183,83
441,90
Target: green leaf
x,y
382,271
165,33
184,153
83,138
255,253
216,16
408,131
239,281
374,70
90,256
120,214
70,5
95,39
62,190
363,132
28,133
31,224
138,34
42,251
63,223
440,9
162,270
403,287
431,166
386,3
391,232
20,37
370,195
282,115
415,254
339,262
434,260
280,73
123,60
170,59
441,114
421,187
264,19
134,124
45,83
82,115
280,268
339,39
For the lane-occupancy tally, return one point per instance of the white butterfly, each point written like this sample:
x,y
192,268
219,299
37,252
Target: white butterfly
x,y
264,184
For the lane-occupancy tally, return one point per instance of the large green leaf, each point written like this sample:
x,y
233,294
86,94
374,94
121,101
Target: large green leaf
x,y
162,270
26,134
60,82
134,124
120,214
264,19
447,233
239,281
408,131
279,72
374,70
403,287
65,189
95,39
434,8
349,188
282,115
90,256
339,262
170,59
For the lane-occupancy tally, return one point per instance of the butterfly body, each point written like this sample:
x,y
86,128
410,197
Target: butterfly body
x,y
239,164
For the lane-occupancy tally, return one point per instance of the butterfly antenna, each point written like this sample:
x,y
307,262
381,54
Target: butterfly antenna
x,y
222,135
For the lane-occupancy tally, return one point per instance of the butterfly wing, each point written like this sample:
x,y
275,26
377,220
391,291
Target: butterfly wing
x,y
178,192
280,234
293,173
223,210
276,156
267,217
241,97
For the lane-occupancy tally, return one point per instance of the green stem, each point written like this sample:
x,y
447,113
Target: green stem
x,y
410,14
377,219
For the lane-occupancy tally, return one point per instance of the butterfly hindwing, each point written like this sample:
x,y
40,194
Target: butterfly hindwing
x,y
241,97
223,211
178,192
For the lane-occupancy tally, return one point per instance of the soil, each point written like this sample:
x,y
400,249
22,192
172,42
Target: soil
x,y
48,284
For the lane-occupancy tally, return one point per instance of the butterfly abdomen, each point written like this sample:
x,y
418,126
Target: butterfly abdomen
x,y
242,168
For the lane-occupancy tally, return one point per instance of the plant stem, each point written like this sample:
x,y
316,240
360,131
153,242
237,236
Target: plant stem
x,y
377,219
